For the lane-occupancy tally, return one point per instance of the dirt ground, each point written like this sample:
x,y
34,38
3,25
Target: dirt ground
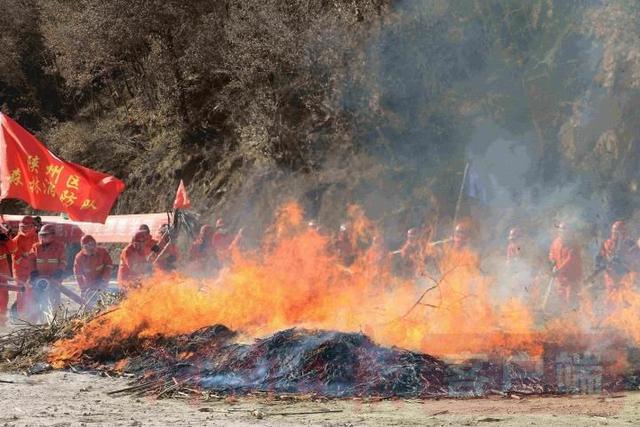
x,y
71,399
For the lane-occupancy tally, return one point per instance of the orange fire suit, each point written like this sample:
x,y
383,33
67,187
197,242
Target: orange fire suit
x,y
452,256
345,250
22,267
201,250
133,266
7,247
167,258
567,261
514,251
617,258
202,254
406,260
92,271
49,262
149,244
222,245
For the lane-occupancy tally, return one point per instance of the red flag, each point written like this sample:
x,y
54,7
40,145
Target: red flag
x,y
30,172
182,200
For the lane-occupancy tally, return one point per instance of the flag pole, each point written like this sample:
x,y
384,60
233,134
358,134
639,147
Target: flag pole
x,y
172,225
460,195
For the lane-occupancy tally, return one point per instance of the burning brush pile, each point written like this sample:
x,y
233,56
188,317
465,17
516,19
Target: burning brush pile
x,y
291,318
211,361
322,363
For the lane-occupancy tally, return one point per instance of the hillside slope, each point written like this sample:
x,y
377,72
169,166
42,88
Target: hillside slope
x,y
375,102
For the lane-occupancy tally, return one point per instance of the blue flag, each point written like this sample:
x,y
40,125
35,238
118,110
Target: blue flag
x,y
475,186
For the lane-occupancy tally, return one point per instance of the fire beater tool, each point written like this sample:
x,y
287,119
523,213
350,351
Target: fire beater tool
x,y
63,289
545,300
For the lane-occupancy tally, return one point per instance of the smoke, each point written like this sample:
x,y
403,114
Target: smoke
x,y
444,87
515,92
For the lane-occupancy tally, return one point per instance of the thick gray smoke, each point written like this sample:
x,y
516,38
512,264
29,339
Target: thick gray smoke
x,y
527,94
522,102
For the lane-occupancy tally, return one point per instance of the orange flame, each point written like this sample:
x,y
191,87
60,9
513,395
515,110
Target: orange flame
x,y
296,279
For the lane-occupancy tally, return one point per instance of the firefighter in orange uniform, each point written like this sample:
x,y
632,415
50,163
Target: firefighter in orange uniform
x,y
461,236
455,253
460,251
150,244
133,261
520,274
616,256
407,260
202,253
221,237
344,246
514,246
566,259
202,246
376,254
7,247
92,267
48,261
23,242
168,256
223,241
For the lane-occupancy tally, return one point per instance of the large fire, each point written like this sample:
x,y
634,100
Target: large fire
x,y
296,279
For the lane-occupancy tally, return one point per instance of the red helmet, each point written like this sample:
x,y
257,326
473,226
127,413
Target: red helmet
x,y
87,239
47,229
27,220
139,237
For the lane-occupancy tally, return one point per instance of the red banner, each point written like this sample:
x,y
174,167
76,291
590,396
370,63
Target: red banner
x,y
30,172
182,199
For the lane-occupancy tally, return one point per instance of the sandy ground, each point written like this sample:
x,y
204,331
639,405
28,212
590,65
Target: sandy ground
x,y
70,399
